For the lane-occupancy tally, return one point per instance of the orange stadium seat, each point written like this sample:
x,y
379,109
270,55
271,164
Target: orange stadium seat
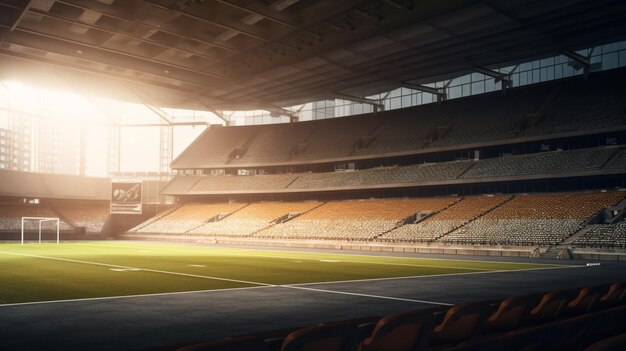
x,y
510,314
460,323
400,332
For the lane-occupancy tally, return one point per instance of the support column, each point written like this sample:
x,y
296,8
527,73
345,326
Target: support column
x,y
166,146
113,154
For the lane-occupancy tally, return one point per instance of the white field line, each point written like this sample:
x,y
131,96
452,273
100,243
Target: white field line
x,y
133,296
351,261
433,275
365,295
139,268
166,245
260,285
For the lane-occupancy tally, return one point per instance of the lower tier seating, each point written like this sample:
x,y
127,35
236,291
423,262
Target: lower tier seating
x,y
188,217
11,218
445,221
519,220
254,217
90,217
534,219
515,232
353,220
603,236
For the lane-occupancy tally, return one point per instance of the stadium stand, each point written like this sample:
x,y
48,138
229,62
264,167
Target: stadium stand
x,y
502,324
275,143
255,217
217,145
618,161
581,105
11,217
79,202
537,164
549,110
446,221
520,220
90,217
243,183
605,236
403,131
384,175
341,134
490,117
188,217
353,219
539,219
543,163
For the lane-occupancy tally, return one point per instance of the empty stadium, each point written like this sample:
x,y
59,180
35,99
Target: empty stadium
x,y
312,175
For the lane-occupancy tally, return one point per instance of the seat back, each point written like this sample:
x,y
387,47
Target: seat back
x,y
400,332
587,299
569,334
245,343
510,314
460,323
615,296
550,306
615,343
610,322
328,337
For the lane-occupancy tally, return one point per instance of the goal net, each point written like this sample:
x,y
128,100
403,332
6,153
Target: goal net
x,y
39,224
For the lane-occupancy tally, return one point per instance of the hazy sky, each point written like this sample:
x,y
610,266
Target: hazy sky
x,y
139,145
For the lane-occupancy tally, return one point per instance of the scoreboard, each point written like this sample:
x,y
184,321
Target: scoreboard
x,y
126,197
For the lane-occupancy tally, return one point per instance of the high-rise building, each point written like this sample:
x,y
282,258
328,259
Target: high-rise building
x,y
58,148
15,142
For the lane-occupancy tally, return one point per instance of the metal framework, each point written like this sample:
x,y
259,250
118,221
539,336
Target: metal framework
x,y
231,55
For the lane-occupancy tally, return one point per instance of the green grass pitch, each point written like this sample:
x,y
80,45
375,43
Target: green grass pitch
x,y
45,272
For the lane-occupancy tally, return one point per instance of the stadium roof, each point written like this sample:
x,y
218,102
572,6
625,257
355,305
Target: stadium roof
x,y
240,54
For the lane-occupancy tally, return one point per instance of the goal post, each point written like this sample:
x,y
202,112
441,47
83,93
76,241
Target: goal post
x,y
40,220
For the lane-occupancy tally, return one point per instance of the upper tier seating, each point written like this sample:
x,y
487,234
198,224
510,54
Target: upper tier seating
x,y
446,221
534,219
406,129
388,175
618,162
556,162
603,236
580,105
340,134
228,182
542,163
572,105
91,217
188,217
11,218
254,217
491,117
215,146
354,219
274,143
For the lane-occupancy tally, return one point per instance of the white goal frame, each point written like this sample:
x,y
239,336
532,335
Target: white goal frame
x,y
41,220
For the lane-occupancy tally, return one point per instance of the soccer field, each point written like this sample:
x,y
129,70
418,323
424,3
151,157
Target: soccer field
x,y
50,272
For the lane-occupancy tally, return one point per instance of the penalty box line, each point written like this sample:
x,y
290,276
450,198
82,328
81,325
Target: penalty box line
x,y
338,260
302,286
258,284
435,275
99,298
138,268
